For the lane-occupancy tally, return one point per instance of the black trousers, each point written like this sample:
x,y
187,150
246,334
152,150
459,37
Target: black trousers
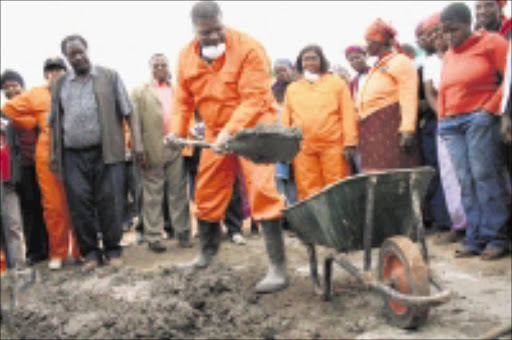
x,y
132,192
96,201
434,199
234,215
34,228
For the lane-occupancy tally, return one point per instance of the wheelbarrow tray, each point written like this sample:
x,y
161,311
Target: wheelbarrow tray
x,y
335,217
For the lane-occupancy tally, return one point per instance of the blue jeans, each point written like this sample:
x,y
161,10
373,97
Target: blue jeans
x,y
473,142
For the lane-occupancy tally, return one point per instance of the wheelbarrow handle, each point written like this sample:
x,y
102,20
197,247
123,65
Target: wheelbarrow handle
x,y
432,300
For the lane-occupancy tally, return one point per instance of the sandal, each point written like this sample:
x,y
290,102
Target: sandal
x,y
465,252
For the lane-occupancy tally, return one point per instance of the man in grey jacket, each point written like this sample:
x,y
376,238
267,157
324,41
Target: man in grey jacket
x,y
163,170
89,105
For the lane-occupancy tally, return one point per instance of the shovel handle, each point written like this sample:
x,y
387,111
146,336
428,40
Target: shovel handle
x,y
188,142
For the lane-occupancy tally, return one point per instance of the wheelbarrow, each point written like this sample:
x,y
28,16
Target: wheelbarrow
x,y
368,211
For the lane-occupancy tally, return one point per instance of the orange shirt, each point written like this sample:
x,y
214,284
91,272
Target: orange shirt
x,y
469,76
30,109
232,92
393,79
324,111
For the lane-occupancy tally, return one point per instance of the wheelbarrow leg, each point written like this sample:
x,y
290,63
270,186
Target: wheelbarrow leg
x,y
368,226
313,267
418,218
327,278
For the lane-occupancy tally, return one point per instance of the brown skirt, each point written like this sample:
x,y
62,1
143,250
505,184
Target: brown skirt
x,y
379,142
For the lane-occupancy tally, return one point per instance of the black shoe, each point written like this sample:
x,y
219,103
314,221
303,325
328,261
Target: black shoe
x,y
254,228
157,247
31,261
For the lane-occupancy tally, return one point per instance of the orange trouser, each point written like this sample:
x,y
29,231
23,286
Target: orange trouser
x,y
215,181
58,222
314,170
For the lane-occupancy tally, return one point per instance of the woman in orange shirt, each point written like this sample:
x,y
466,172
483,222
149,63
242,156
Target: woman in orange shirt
x,y
469,98
30,109
388,105
321,105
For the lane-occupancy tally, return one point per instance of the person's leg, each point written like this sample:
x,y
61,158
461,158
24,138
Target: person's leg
x,y
483,141
109,189
308,174
168,227
55,208
130,207
213,192
178,207
453,131
31,211
266,207
333,165
234,216
451,187
11,220
78,182
152,202
435,194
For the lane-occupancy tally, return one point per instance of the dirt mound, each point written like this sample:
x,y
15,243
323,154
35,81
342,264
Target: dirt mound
x,y
129,304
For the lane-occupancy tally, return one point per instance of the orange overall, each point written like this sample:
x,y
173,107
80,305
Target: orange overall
x,y
231,93
30,109
324,111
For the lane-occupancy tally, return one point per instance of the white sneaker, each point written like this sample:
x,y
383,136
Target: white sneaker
x,y
238,239
55,264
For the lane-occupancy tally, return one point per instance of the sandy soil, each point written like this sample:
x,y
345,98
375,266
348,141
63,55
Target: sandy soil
x,y
150,298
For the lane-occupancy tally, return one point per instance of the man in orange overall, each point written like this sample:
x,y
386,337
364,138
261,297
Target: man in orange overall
x,y
225,74
30,109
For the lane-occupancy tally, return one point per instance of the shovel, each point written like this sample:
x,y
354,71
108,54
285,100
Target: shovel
x,y
15,280
264,144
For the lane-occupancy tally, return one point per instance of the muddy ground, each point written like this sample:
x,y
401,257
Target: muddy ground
x,y
150,298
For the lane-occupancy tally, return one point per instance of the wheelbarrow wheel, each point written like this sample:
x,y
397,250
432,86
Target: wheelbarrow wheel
x,y
402,267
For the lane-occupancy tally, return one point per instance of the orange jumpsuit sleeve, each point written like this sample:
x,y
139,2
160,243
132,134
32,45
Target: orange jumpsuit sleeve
x,y
21,111
254,91
349,117
497,49
405,74
183,103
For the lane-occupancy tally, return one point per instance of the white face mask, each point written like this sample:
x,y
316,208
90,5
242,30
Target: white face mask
x,y
213,51
311,77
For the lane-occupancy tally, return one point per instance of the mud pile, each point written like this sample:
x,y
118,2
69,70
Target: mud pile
x,y
127,304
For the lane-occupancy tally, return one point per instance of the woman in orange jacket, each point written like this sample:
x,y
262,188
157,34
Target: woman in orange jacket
x,y
30,109
388,105
321,105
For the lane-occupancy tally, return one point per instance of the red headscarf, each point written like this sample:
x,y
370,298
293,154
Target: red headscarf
x,y
432,21
378,29
354,48
382,31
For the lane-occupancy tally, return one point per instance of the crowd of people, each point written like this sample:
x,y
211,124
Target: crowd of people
x,y
83,160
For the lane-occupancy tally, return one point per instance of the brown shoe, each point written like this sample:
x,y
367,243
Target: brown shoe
x,y
115,262
493,254
89,266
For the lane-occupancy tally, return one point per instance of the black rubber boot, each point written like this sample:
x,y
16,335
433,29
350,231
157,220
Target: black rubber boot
x,y
209,241
276,275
